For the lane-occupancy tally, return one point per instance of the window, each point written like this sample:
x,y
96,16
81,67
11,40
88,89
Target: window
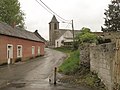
x,y
38,50
33,50
19,50
55,26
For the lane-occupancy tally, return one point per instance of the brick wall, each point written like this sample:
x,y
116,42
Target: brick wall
x,y
26,48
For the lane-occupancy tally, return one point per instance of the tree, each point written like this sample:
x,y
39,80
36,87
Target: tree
x,y
86,36
10,13
112,20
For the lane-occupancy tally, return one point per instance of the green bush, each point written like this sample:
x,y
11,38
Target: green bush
x,y
86,36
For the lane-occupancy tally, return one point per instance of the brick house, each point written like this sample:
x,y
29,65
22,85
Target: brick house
x,y
18,44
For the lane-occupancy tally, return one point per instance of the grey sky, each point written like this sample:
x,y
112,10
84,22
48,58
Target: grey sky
x,y
85,13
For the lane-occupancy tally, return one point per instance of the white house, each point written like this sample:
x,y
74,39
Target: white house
x,y
67,38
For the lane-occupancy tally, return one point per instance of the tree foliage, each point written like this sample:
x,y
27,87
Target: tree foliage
x,y
10,13
112,19
86,36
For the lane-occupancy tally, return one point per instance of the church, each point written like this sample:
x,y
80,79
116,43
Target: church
x,y
60,37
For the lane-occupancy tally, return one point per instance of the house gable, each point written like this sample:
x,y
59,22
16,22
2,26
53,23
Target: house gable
x,y
68,34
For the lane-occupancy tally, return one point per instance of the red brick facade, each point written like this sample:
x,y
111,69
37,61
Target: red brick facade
x,y
26,48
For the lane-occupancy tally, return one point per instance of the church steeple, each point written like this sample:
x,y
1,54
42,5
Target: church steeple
x,y
53,27
54,20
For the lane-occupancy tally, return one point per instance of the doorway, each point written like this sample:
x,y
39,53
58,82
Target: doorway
x,y
9,53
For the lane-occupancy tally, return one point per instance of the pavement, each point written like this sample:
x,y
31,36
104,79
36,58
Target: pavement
x,y
34,74
40,68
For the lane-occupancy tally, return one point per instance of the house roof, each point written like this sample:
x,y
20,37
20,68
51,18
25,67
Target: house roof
x,y
54,20
6,29
39,36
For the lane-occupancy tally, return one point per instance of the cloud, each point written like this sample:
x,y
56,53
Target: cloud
x,y
85,13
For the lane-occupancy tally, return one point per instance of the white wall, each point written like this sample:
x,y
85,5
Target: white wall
x,y
64,37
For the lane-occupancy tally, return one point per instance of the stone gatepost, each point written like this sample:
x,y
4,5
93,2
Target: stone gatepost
x,y
85,55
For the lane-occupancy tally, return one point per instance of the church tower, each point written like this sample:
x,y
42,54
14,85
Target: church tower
x,y
53,26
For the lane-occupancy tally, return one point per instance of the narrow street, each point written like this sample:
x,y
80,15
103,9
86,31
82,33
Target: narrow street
x,y
34,74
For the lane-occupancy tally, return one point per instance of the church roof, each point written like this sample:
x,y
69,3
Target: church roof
x,y
54,20
62,31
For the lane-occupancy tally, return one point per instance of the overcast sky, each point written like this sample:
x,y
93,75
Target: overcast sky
x,y
85,13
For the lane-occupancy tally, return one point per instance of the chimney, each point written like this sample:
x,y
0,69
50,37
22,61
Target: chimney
x,y
36,31
13,24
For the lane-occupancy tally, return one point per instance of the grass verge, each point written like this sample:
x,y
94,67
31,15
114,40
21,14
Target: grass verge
x,y
71,64
78,74
63,49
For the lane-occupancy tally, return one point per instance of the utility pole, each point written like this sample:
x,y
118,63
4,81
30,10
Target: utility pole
x,y
73,33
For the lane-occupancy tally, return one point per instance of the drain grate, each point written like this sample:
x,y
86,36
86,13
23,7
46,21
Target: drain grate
x,y
17,85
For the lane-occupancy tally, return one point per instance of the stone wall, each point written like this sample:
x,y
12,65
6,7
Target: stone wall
x,y
109,35
103,59
101,62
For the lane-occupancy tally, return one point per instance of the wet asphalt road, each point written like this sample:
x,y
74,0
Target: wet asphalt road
x,y
34,74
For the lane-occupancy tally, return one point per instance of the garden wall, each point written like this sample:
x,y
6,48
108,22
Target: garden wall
x,y
101,62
